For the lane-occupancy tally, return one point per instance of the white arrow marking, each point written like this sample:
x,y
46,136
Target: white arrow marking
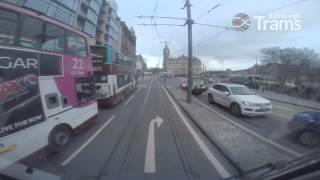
x,y
150,161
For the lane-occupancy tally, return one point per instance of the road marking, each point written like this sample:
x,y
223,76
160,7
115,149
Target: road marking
x,y
252,132
73,155
130,99
282,116
218,166
283,108
150,161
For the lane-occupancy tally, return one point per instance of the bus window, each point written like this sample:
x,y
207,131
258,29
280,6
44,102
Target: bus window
x,y
84,89
76,45
54,39
122,80
31,32
101,79
52,100
8,22
50,65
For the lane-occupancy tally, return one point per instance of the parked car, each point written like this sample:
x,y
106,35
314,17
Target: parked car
x,y
250,81
306,127
239,98
211,80
198,85
183,84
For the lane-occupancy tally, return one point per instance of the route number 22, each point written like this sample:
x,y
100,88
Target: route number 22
x,y
78,63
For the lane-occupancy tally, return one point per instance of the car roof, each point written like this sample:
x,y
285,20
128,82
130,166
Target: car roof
x,y
230,84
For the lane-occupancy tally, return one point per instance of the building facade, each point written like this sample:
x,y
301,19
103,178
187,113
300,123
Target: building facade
x,y
108,31
141,66
128,41
179,66
87,17
166,56
97,18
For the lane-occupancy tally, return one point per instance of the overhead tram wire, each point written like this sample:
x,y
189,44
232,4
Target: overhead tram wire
x,y
214,26
285,6
160,17
164,24
275,9
207,12
151,21
154,14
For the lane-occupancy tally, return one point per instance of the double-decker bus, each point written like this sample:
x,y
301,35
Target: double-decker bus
x,y
46,84
114,75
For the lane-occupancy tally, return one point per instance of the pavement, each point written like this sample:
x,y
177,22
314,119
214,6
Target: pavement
x,y
147,136
312,105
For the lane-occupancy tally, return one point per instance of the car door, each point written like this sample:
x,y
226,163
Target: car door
x,y
217,94
226,100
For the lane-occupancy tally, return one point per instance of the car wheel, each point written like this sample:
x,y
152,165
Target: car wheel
x,y
210,98
309,138
59,138
235,109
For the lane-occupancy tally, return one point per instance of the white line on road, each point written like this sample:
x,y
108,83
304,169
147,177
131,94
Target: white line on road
x,y
73,155
252,132
220,169
130,99
283,108
282,116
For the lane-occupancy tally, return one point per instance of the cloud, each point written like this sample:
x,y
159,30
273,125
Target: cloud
x,y
237,49
152,61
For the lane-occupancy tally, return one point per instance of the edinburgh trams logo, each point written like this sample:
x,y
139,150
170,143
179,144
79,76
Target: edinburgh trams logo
x,y
271,22
241,22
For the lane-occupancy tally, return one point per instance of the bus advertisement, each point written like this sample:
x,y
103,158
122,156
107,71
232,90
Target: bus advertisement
x,y
114,75
46,84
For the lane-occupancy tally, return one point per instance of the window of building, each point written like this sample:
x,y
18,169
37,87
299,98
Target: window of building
x,y
80,24
15,2
95,6
8,23
38,5
61,14
72,4
92,16
53,38
76,45
90,29
84,90
31,32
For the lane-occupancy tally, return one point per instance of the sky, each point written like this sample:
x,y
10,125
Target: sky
x,y
216,47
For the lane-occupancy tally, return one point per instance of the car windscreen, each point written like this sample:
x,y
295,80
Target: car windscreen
x,y
241,90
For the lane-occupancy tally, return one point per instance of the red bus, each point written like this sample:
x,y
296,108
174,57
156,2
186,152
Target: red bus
x,y
114,75
46,84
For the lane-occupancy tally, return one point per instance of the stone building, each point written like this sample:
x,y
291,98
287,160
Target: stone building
x,y
179,66
128,41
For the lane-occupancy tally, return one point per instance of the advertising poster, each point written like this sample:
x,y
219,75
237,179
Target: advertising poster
x,y
20,101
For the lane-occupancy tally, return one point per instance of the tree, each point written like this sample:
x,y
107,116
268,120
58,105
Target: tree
x,y
291,63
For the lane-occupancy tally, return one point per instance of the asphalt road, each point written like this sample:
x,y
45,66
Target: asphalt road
x,y
145,137
272,126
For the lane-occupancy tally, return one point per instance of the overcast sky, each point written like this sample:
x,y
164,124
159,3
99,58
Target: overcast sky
x,y
238,50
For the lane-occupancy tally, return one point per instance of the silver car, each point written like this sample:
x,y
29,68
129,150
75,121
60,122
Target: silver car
x,y
240,99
